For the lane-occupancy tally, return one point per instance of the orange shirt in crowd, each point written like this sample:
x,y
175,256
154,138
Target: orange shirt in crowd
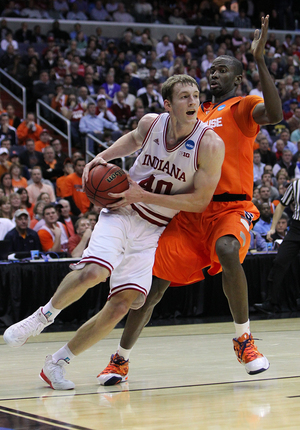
x,y
73,188
23,133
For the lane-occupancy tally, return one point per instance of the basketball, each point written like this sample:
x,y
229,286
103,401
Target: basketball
x,y
104,180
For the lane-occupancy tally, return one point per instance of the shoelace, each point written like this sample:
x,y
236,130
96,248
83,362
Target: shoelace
x,y
57,372
114,364
31,324
248,347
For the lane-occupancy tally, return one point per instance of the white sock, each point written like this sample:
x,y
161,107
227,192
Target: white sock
x,y
63,353
240,329
49,311
124,352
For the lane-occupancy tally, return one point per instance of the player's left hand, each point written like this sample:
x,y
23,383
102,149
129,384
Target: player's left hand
x,y
259,41
134,194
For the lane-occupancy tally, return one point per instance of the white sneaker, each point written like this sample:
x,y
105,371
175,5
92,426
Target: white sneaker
x,y
17,334
53,374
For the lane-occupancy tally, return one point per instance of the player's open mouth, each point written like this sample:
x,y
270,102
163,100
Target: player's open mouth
x,y
191,112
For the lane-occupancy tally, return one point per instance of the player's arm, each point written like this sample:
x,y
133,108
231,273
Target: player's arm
x,y
210,160
125,145
269,112
276,217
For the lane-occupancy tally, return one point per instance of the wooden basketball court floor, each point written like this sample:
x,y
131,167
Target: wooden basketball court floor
x,y
181,377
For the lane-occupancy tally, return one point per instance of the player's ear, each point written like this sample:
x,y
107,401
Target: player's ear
x,y
238,80
167,105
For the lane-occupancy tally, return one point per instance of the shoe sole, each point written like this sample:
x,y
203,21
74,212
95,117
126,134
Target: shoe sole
x,y
113,380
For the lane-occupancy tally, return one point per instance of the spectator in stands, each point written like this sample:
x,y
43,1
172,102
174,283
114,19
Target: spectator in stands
x,y
152,100
102,110
4,163
263,225
21,238
8,58
91,123
99,13
83,98
8,40
74,192
295,136
60,156
122,15
43,142
258,167
92,216
257,242
60,182
296,156
6,130
37,213
5,209
163,46
281,228
14,121
285,162
28,129
37,186
176,17
77,79
15,201
75,14
199,41
79,241
120,109
110,87
25,203
66,217
51,168
242,20
16,174
285,136
44,89
30,157
266,180
5,225
53,234
267,156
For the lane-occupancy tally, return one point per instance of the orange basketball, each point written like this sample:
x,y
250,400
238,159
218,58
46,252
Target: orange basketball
x,y
104,180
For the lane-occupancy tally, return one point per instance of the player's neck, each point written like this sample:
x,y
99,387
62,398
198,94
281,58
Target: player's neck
x,y
178,132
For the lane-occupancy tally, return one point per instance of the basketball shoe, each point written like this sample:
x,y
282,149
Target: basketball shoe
x,y
115,372
248,355
17,334
53,374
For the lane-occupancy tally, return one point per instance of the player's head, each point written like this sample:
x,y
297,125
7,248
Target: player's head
x,y
225,75
168,86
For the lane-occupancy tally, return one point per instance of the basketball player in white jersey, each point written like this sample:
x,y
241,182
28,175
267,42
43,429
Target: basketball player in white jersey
x,y
178,168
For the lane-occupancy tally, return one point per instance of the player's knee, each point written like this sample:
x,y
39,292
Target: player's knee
x,y
120,306
227,248
92,274
157,291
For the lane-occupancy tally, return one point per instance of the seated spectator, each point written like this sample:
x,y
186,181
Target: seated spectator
x,y
75,14
44,89
281,228
142,11
30,157
257,242
266,180
6,130
17,179
37,213
267,156
163,46
53,234
66,217
51,168
122,15
15,201
181,44
74,112
8,58
176,18
8,40
5,208
6,184
295,136
152,100
258,167
43,142
110,87
263,225
92,216
99,13
60,182
83,97
4,163
5,225
25,203
28,129
120,109
60,156
37,186
285,136
79,241
75,194
286,163
22,238
294,122
91,123
13,120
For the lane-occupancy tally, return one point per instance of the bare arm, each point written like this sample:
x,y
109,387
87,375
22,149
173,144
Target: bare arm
x,y
57,234
210,159
77,252
276,217
269,112
125,145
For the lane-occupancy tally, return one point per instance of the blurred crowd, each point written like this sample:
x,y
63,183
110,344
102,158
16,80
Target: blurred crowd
x,y
105,85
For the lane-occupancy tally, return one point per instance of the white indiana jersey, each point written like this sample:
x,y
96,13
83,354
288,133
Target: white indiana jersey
x,y
161,170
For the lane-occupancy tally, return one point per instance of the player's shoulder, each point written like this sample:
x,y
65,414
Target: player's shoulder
x,y
148,119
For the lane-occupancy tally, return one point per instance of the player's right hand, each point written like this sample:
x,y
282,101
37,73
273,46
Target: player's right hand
x,y
85,176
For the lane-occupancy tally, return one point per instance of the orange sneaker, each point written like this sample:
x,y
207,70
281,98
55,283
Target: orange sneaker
x,y
115,372
248,355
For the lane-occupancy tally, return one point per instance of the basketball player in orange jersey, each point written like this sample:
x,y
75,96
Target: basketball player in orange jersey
x,y
178,168
219,237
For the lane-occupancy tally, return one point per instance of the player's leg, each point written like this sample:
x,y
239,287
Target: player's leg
x,y
95,329
117,369
236,290
72,287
